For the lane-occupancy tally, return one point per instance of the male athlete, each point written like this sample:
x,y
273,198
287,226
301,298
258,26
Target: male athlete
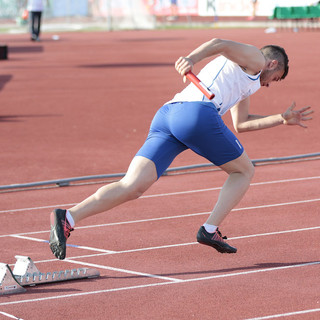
x,y
192,121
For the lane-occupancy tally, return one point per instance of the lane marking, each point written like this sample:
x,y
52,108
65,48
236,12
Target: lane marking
x,y
124,271
28,238
168,194
170,217
274,233
162,283
219,188
38,208
281,315
200,213
193,243
9,315
68,245
107,252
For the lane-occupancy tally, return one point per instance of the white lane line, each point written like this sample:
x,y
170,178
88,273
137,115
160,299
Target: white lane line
x,y
199,214
107,252
219,188
171,217
123,270
10,315
28,238
91,248
38,208
274,233
162,283
193,243
226,275
68,245
168,194
281,315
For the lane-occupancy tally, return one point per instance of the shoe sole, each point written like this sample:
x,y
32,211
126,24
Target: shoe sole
x,y
56,250
218,247
57,247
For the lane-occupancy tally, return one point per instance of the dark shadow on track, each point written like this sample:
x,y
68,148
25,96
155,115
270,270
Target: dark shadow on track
x,y
22,117
150,39
4,79
25,49
226,271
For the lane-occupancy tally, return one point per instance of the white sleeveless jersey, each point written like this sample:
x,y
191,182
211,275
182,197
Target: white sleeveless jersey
x,y
226,80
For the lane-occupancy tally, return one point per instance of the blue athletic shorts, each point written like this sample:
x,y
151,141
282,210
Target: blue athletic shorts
x,y
189,125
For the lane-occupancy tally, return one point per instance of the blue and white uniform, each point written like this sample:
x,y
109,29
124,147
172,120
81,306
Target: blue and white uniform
x,y
226,80
191,121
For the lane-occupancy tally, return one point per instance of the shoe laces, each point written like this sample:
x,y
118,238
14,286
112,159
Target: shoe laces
x,y
220,235
67,228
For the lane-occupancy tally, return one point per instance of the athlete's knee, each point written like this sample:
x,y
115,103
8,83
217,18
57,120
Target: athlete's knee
x,y
134,191
120,190
250,170
139,177
246,173
247,169
242,165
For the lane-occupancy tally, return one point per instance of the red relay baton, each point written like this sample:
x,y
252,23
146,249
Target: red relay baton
x,y
196,81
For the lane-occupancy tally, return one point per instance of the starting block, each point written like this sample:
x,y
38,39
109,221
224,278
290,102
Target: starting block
x,y
25,273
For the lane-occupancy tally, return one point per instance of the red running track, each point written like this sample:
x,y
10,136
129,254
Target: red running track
x,y
82,106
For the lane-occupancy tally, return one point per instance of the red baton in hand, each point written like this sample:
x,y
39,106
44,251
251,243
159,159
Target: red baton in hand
x,y
196,81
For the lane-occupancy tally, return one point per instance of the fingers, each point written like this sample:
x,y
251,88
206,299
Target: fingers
x,y
304,118
183,65
297,117
305,112
302,125
292,106
304,109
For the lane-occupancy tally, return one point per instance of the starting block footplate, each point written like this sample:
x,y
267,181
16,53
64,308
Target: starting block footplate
x,y
25,273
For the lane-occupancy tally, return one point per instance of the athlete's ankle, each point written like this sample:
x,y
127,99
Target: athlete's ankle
x,y
210,227
70,219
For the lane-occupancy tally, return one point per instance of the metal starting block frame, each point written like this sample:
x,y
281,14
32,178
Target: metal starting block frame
x,y
25,273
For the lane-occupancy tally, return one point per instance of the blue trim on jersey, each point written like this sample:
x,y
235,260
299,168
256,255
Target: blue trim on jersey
x,y
254,79
203,96
218,73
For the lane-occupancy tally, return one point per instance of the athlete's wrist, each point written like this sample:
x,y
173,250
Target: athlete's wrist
x,y
191,62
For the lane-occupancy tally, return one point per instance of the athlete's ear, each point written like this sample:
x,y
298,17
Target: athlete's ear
x,y
272,64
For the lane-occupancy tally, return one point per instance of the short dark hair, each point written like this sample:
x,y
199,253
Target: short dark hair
x,y
279,54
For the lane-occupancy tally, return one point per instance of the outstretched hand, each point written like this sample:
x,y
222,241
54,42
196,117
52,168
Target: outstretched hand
x,y
184,65
295,117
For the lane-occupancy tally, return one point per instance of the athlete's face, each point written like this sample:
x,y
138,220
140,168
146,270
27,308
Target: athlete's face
x,y
267,76
270,73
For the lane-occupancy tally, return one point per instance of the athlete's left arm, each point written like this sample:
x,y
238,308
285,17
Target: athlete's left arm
x,y
248,57
244,121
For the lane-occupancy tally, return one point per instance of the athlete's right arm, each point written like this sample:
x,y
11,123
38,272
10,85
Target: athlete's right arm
x,y
243,121
246,56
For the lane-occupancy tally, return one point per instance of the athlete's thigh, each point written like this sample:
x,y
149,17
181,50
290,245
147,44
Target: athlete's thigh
x,y
141,174
161,147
